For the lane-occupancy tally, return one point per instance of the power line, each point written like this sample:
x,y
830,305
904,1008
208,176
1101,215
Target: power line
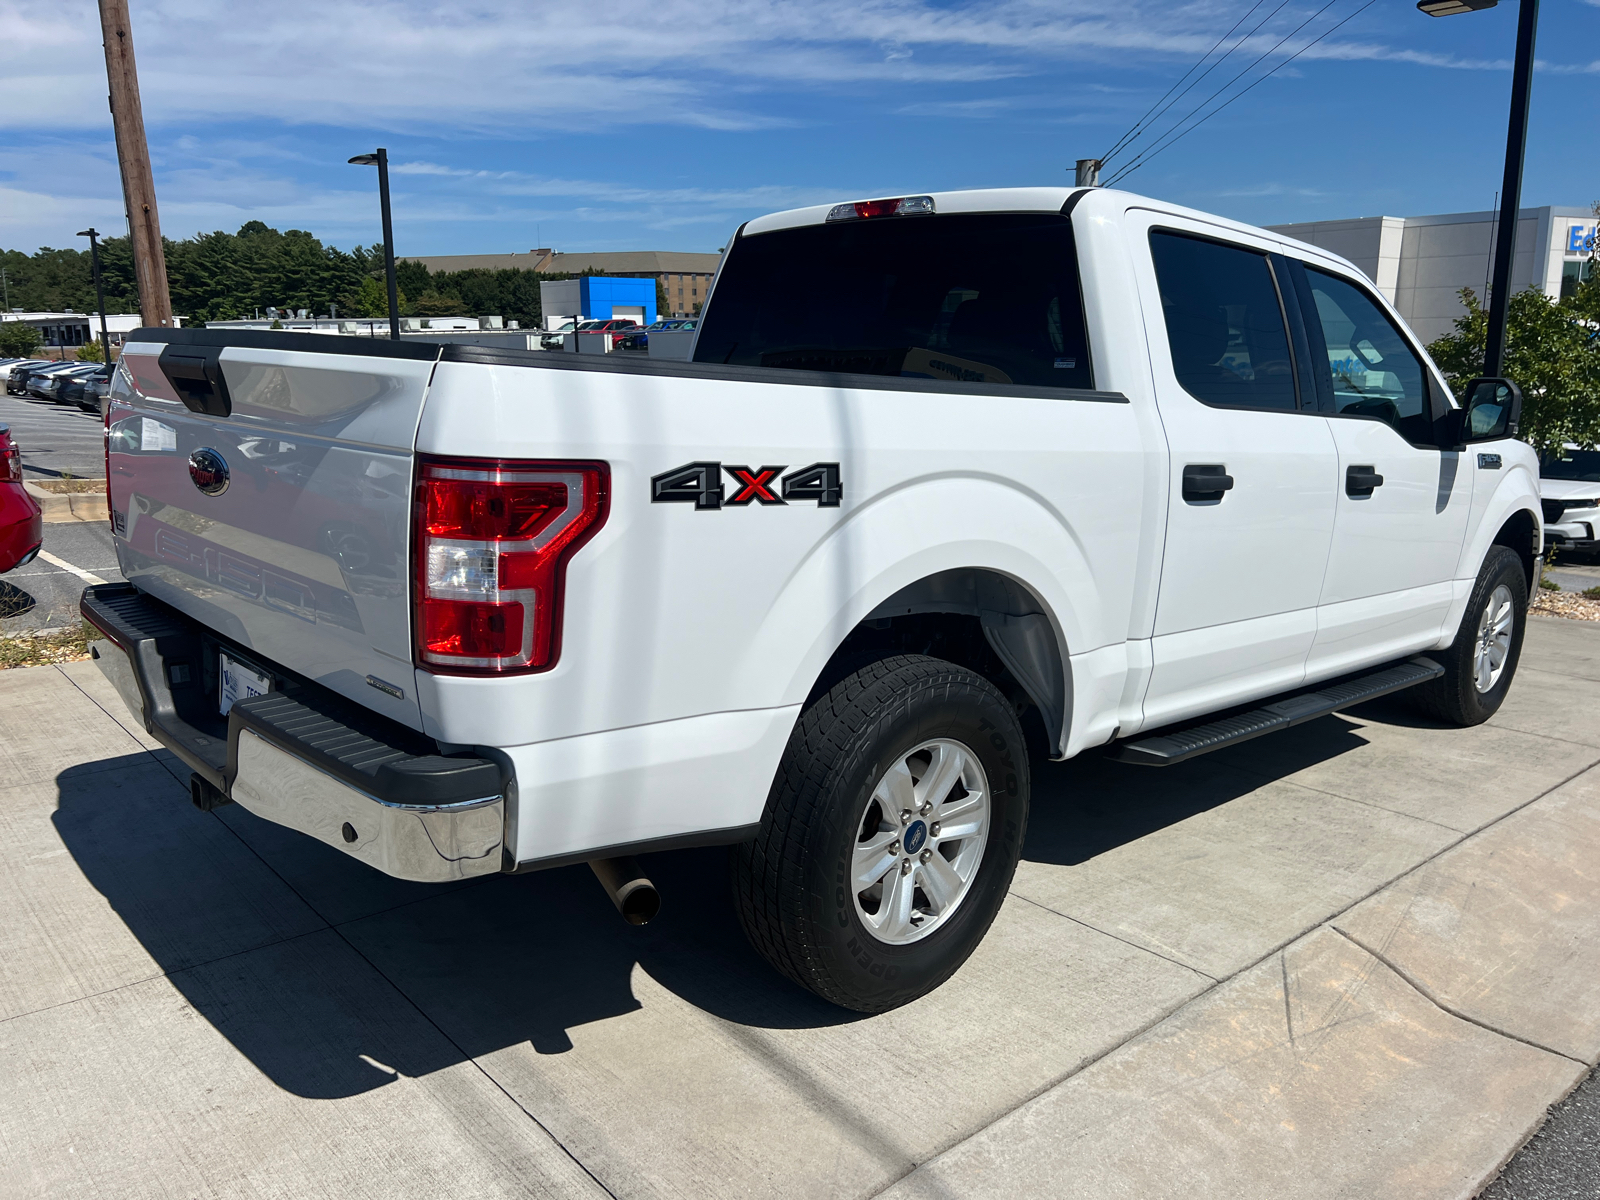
x,y
1256,28
1133,131
1174,135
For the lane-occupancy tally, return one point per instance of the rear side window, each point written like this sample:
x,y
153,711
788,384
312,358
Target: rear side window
x,y
1374,372
1224,323
981,298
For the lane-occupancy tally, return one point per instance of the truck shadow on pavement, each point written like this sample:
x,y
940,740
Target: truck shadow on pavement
x,y
328,975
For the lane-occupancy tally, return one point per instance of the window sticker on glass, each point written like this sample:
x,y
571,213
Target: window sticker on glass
x,y
153,435
238,682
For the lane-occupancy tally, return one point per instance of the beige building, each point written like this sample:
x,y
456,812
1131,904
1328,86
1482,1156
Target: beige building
x,y
686,277
1422,263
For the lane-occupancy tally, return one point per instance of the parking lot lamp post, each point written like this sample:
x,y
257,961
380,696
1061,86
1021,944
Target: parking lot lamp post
x,y
1494,351
99,289
380,159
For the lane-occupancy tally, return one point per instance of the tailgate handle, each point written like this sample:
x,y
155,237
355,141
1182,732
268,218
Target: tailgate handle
x,y
195,373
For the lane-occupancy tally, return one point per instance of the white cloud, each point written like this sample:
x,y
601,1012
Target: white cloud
x,y
490,66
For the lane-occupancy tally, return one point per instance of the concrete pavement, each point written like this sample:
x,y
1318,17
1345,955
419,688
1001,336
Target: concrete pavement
x,y
1358,958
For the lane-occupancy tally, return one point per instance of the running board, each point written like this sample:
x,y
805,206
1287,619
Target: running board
x,y
1179,745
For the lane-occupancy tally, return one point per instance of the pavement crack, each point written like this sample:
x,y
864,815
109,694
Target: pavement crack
x,y
1114,937
1288,1009
1427,994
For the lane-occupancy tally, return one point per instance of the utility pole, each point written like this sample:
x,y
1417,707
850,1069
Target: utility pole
x,y
133,156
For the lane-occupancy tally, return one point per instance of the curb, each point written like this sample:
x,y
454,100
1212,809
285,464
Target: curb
x,y
67,506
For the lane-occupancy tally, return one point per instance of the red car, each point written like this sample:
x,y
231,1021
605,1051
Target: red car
x,y
21,523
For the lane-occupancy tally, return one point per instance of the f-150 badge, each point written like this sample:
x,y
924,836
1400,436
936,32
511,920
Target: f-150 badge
x,y
700,484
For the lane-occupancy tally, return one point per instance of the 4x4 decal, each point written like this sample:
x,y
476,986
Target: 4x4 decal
x,y
700,484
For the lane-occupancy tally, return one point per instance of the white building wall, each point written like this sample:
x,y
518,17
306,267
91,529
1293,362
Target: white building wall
x,y
1422,263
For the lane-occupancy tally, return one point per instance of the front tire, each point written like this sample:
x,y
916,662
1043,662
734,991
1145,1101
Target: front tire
x,y
890,835
1480,663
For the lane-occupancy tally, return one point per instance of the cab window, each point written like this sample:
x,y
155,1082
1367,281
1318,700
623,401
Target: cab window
x,y
1373,371
973,298
1224,322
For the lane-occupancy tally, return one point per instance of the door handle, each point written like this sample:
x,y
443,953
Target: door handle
x,y
1360,481
1205,481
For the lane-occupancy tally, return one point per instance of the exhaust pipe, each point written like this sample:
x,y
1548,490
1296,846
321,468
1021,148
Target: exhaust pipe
x,y
635,896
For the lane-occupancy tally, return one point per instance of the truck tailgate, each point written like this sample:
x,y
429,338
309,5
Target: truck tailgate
x,y
291,537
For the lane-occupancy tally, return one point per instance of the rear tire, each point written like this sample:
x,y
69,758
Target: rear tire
x,y
1480,664
890,835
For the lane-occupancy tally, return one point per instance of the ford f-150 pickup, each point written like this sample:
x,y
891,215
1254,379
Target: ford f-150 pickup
x,y
1050,470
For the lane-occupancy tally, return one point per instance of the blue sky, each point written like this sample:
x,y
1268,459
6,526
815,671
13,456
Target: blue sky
x,y
663,124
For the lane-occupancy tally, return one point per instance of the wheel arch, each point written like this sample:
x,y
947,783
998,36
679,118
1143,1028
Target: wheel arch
x,y
978,618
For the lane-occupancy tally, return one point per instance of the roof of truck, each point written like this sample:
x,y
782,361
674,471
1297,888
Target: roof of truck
x,y
1038,199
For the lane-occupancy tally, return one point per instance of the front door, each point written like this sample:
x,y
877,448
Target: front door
x,y
1252,472
1402,500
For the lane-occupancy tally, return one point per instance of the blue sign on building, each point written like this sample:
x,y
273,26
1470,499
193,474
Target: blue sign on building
x,y
602,297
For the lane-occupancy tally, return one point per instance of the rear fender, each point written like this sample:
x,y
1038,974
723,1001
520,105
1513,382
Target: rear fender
x,y
909,535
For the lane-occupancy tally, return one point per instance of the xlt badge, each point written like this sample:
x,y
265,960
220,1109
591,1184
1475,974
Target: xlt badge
x,y
700,484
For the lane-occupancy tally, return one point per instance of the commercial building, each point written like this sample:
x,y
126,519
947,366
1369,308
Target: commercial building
x,y
69,330
598,298
684,276
1422,263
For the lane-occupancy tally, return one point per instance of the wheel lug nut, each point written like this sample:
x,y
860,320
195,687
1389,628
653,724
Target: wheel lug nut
x,y
894,848
905,866
934,829
905,816
926,855
927,807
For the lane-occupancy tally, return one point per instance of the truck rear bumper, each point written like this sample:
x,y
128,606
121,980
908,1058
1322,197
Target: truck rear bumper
x,y
300,756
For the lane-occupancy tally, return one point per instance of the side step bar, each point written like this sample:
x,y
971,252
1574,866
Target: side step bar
x,y
1180,745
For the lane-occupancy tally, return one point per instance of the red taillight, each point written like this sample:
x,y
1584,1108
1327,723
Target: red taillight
x,y
493,540
10,459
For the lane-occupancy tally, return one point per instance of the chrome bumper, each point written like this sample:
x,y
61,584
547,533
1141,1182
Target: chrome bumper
x,y
429,843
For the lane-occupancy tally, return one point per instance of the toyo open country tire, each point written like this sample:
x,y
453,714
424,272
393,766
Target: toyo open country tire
x,y
1480,663
890,835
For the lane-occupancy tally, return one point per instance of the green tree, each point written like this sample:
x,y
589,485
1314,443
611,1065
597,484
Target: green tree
x,y
18,339
1552,354
91,352
372,299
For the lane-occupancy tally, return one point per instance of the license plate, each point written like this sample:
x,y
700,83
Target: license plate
x,y
239,682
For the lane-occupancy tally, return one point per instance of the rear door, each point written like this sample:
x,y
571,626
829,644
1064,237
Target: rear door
x,y
302,556
1253,471
1402,501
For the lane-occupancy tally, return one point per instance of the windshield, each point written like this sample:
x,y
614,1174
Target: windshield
x,y
1571,464
980,298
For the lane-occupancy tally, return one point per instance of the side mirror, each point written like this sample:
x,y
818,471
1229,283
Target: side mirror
x,y
1492,410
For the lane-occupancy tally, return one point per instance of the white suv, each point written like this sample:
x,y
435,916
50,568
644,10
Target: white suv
x,y
1569,487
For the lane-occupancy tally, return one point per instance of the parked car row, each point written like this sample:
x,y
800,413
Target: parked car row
x,y
77,383
627,333
615,325
641,340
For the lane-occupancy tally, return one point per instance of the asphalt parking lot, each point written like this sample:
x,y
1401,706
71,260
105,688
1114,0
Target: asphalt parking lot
x,y
56,441
1358,958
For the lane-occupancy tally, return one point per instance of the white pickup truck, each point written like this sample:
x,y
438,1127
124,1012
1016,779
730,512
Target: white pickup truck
x,y
950,478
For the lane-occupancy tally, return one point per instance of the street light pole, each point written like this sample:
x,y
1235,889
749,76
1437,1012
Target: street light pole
x,y
1494,349
99,288
380,159
1494,352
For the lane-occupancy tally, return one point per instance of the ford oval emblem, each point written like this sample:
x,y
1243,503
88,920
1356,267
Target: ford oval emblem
x,y
209,470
